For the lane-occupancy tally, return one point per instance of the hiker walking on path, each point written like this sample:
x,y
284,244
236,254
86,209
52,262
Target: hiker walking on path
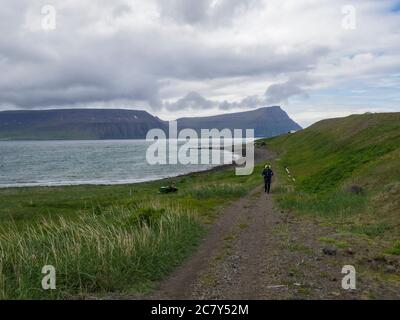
x,y
267,174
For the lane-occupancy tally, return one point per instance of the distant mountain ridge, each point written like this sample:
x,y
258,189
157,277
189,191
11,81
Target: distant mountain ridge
x,y
80,124
266,122
102,124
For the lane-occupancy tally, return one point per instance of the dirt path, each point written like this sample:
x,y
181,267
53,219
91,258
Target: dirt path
x,y
255,252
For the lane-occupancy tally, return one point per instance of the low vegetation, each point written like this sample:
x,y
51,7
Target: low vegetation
x,y
117,248
106,239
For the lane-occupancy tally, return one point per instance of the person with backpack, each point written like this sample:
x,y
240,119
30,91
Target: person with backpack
x,y
267,174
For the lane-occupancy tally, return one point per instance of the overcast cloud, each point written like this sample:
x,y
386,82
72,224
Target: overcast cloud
x,y
200,57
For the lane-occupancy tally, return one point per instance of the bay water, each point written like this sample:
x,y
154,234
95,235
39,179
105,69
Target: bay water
x,y
53,163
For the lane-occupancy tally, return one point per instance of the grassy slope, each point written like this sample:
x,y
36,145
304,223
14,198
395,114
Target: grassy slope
x,y
106,238
332,155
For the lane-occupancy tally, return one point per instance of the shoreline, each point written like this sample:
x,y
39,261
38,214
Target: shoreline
x,y
117,183
258,154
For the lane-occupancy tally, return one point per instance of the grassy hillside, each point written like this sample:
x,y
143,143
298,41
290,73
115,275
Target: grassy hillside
x,y
331,151
346,172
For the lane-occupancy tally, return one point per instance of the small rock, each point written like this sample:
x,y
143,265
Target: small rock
x,y
355,189
350,251
330,251
380,259
390,269
297,284
279,286
336,294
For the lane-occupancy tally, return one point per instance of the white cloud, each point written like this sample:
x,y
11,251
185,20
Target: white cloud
x,y
157,54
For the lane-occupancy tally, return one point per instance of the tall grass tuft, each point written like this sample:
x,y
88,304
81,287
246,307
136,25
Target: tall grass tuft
x,y
333,205
115,249
227,190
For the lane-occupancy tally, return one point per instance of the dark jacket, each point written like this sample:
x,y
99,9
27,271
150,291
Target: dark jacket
x,y
267,173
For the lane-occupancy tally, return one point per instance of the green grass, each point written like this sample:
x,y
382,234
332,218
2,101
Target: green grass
x,y
200,191
333,154
118,249
217,190
370,230
335,242
332,206
331,151
105,239
395,250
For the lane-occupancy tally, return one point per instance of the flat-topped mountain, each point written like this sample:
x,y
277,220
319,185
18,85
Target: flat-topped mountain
x,y
98,124
266,122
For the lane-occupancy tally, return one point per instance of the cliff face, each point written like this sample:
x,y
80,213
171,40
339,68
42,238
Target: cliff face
x,y
130,124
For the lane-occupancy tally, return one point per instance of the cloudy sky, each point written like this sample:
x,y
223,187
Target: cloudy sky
x,y
315,58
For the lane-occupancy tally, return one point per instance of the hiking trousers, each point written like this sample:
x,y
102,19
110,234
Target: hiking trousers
x,y
267,186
